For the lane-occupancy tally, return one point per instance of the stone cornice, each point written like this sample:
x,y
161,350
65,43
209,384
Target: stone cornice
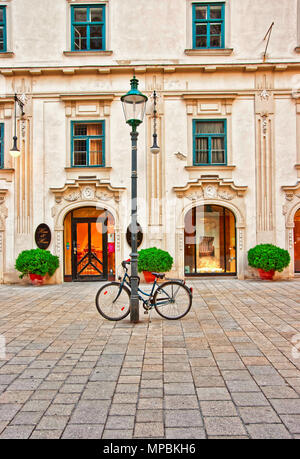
x,y
7,55
208,95
7,175
144,68
83,97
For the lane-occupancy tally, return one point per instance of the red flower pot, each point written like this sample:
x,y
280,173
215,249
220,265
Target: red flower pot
x,y
266,275
36,279
148,276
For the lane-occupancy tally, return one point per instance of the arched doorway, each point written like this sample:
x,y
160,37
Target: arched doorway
x,y
89,245
209,241
297,241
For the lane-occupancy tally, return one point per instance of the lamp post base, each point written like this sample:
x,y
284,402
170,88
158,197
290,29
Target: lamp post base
x,y
134,309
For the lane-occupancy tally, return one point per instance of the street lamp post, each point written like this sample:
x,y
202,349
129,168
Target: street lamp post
x,y
134,104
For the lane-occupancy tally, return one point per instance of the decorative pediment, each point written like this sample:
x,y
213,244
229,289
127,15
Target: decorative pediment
x,y
200,103
291,192
87,190
292,202
210,188
77,105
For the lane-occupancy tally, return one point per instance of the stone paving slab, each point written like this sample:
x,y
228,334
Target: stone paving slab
x,y
229,369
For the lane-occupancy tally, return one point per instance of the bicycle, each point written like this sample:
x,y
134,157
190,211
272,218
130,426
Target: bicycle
x,y
172,299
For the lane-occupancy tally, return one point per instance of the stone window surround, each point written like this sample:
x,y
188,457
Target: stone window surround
x,y
88,138
9,35
74,111
190,51
290,207
69,52
208,136
215,191
194,111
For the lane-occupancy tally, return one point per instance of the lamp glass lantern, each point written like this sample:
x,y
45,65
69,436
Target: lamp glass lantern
x,y
134,104
14,151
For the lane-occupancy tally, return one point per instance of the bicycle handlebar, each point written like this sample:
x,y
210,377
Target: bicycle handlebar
x,y
125,262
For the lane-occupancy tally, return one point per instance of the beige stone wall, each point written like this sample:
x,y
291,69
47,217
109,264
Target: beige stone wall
x,y
37,25
259,100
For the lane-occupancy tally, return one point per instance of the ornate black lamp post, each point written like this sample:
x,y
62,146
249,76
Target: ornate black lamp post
x,y
134,105
14,151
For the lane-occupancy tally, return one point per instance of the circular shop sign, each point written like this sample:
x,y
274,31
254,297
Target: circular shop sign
x,y
43,236
139,235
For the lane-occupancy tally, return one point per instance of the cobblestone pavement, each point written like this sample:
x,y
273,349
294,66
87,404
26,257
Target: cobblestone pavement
x,y
230,368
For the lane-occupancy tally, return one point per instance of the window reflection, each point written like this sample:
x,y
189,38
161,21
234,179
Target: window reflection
x,y
210,241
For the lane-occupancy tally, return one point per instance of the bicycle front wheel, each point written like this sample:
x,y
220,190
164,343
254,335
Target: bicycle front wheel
x,y
172,300
113,301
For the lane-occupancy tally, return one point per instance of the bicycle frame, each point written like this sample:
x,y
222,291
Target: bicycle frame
x,y
149,296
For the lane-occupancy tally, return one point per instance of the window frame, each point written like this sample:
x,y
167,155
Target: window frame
x,y
208,22
209,163
4,24
87,137
88,24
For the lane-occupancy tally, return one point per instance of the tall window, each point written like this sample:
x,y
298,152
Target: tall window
x,y
88,27
1,145
208,25
88,143
209,142
3,29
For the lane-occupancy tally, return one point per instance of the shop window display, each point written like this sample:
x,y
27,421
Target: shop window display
x,y
210,241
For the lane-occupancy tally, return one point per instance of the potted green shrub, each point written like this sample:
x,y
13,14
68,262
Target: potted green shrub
x,y
36,263
268,258
154,259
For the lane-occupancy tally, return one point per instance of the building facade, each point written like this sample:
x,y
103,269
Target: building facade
x,y
227,77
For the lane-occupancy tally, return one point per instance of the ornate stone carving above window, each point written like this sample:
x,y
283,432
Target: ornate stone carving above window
x,y
292,202
92,190
211,188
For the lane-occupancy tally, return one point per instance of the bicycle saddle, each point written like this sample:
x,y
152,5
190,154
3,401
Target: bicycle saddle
x,y
159,275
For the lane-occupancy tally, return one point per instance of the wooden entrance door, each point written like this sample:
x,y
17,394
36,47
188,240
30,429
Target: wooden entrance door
x,y
89,251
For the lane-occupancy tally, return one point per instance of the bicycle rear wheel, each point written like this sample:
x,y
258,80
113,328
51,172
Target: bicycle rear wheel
x,y
113,301
172,300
